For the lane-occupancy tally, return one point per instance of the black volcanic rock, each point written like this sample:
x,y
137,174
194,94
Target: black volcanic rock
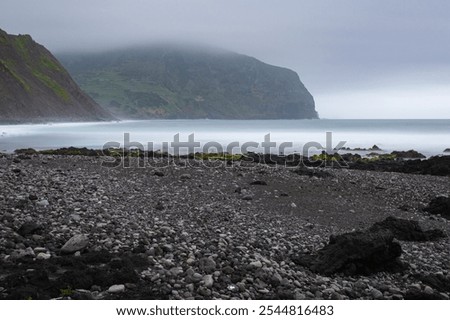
x,y
29,228
169,81
407,230
410,154
437,166
440,205
369,251
35,87
355,253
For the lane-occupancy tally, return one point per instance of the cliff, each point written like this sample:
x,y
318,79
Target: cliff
x,y
169,81
35,87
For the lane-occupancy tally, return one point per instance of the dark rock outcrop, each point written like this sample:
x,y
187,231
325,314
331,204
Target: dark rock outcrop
x,y
439,205
407,230
35,87
355,253
366,252
410,154
190,82
62,275
436,166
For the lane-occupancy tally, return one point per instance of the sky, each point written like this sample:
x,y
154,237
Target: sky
x,y
360,59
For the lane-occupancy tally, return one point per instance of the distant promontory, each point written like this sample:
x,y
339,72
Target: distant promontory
x,y
172,81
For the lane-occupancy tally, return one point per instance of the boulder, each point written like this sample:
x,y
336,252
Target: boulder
x,y
439,205
76,243
355,253
117,288
29,228
207,265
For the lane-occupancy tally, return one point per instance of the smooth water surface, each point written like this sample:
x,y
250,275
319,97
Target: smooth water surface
x,y
430,137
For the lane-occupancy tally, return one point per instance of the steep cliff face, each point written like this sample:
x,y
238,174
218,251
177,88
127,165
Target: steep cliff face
x,y
178,82
35,87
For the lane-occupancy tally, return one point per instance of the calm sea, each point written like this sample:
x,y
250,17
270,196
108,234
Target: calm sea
x,y
430,137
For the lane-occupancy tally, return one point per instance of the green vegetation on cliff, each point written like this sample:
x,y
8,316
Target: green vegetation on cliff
x,y
34,86
178,82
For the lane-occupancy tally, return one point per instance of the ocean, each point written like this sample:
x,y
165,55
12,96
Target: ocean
x,y
430,137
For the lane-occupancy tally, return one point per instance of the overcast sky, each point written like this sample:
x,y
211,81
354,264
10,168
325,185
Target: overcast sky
x,y
359,58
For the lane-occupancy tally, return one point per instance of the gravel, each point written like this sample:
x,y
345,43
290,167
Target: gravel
x,y
202,232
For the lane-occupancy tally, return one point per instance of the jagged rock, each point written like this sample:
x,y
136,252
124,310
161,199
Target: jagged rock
x,y
74,244
407,230
439,205
355,253
375,147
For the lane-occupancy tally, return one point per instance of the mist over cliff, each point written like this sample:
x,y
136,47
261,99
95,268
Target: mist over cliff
x,y
175,81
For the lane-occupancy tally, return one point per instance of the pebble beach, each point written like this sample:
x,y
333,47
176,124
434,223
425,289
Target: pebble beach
x,y
71,228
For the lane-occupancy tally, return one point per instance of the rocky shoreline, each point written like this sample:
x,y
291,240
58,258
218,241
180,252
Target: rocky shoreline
x,y
71,228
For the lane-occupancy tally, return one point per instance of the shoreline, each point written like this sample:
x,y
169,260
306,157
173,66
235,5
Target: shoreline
x,y
196,232
398,161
